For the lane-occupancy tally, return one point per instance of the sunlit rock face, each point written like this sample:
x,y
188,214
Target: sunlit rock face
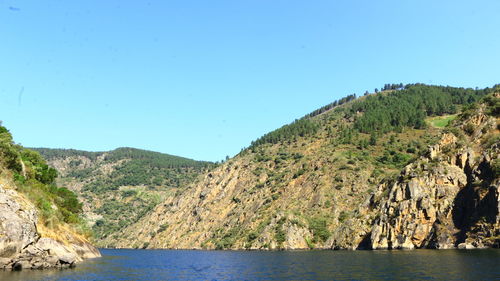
x,y
21,245
446,197
449,199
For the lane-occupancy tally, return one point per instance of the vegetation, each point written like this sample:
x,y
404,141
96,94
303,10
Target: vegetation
x,y
49,153
331,105
493,103
154,159
409,107
397,108
442,121
323,176
319,229
299,128
36,180
369,139
122,185
225,239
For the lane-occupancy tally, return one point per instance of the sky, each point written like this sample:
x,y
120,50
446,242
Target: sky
x,y
202,79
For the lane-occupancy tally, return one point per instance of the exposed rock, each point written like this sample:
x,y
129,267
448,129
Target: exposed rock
x,y
326,199
22,247
296,237
465,246
17,222
455,203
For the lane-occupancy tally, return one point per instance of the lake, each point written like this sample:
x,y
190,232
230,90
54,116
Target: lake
x,y
278,265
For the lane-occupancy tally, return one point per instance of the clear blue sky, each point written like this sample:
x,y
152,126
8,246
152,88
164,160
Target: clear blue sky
x,y
202,79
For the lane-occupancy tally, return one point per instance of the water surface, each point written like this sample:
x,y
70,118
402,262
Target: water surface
x,y
284,265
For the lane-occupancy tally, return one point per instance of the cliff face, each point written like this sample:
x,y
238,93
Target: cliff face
x,y
40,224
322,192
25,244
448,199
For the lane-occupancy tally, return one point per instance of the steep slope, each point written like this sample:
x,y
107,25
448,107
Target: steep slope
x,y
321,182
40,225
118,187
450,197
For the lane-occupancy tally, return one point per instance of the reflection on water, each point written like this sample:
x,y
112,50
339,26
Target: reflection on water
x,y
296,265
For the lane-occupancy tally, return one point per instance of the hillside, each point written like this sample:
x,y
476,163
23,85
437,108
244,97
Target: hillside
x,y
118,187
358,173
40,222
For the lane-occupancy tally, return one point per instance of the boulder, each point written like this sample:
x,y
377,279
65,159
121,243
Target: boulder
x,y
22,247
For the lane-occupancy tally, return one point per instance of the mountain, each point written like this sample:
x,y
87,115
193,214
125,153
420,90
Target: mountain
x,y
40,223
118,187
412,166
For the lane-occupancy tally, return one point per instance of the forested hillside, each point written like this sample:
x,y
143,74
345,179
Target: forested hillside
x,y
118,187
392,110
324,180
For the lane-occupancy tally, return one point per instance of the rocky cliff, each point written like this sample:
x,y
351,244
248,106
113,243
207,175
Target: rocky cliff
x,y
25,244
449,198
332,187
40,223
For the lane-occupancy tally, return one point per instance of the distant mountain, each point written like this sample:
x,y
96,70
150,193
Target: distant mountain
x,y
412,166
118,187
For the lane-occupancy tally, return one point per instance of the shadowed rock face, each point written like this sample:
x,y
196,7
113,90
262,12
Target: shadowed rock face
x,y
17,223
420,210
22,247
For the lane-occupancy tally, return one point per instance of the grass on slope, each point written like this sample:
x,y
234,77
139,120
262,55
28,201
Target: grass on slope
x,y
441,121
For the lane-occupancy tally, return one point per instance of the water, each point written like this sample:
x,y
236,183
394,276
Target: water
x,y
296,265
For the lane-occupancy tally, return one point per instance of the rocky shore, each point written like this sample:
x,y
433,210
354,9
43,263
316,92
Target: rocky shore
x,y
23,247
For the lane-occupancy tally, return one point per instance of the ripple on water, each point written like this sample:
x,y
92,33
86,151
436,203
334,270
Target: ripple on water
x,y
296,265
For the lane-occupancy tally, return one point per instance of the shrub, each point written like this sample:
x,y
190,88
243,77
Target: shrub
x,y
280,234
318,226
343,216
469,128
163,227
495,167
252,236
328,204
129,193
299,173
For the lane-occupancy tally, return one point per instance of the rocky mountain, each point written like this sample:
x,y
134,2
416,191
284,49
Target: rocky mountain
x,y
118,187
40,225
449,198
415,166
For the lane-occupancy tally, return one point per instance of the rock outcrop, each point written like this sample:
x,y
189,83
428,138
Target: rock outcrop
x,y
410,188
446,200
21,244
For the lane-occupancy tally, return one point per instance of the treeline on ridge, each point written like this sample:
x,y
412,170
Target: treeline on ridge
x,y
151,158
156,159
409,107
396,107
